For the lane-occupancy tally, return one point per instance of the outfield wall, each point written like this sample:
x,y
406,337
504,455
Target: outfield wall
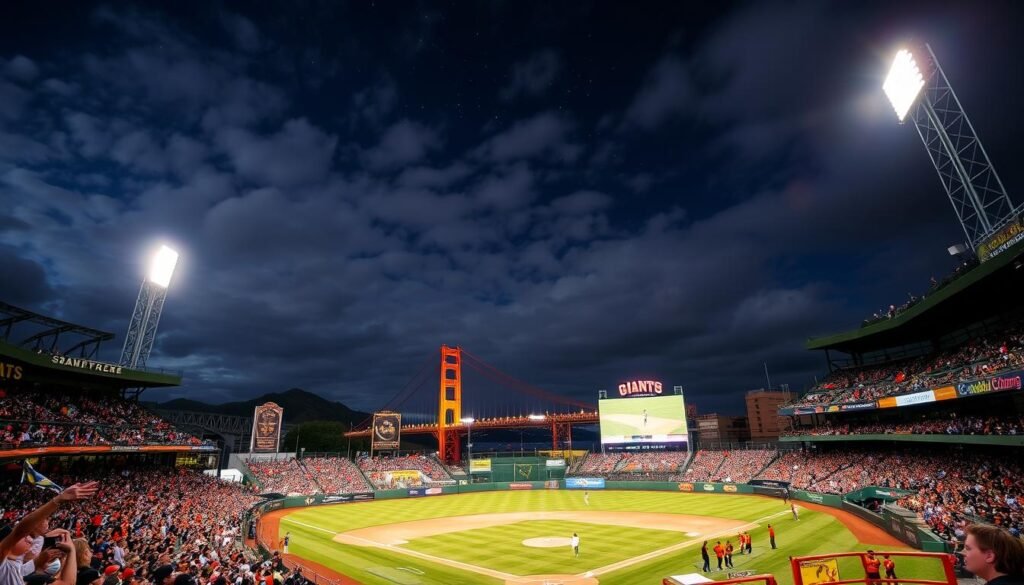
x,y
901,524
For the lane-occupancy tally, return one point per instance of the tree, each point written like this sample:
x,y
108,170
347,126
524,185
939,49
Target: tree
x,y
317,437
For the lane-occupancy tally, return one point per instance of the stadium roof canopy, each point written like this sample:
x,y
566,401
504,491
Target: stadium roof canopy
x,y
972,304
11,316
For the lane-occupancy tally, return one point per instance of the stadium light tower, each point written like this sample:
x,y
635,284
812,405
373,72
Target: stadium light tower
x,y
142,330
917,88
468,421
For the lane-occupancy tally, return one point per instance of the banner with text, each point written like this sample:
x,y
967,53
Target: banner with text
x,y
584,483
266,428
1002,240
387,430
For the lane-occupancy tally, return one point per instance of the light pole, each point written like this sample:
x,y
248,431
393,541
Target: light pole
x,y
918,89
533,417
138,342
468,421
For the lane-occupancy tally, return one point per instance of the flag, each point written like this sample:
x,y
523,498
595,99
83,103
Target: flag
x,y
33,477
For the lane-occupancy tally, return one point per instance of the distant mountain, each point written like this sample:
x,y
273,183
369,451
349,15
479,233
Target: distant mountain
x,y
299,406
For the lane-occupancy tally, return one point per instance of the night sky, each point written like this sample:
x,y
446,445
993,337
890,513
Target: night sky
x,y
578,193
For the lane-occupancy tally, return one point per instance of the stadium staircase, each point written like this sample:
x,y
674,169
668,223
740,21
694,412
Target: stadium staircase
x,y
309,475
243,466
575,466
767,465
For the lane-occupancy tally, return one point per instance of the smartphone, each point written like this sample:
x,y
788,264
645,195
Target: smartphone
x,y
50,541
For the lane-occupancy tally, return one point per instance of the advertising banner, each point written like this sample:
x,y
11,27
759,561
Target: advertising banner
x,y
584,483
857,406
406,475
520,486
387,430
266,428
346,498
1003,240
551,484
819,571
915,398
729,488
686,487
479,465
554,463
1000,383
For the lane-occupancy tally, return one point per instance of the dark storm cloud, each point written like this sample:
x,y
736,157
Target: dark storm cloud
x,y
705,217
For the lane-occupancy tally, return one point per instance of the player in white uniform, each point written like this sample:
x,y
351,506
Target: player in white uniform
x,y
645,418
575,544
586,498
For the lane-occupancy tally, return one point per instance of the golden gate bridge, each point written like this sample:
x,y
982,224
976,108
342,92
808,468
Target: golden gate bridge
x,y
499,401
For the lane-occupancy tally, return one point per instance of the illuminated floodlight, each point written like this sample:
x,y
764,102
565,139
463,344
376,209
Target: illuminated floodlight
x,y
536,417
468,420
904,83
162,267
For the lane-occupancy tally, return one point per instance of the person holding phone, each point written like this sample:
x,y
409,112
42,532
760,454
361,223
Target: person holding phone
x,y
20,538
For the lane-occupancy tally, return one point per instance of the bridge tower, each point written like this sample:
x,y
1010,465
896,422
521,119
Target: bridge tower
x,y
449,413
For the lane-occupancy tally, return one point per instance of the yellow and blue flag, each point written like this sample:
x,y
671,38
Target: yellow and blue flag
x,y
33,477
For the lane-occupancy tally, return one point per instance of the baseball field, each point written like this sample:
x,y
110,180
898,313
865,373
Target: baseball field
x,y
523,537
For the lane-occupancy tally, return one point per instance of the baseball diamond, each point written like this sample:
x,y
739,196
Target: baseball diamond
x,y
625,537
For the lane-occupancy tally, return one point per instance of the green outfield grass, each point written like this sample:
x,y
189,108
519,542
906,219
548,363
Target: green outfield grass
x,y
501,548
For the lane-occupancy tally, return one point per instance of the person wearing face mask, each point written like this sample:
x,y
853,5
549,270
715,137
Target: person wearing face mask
x,y
20,538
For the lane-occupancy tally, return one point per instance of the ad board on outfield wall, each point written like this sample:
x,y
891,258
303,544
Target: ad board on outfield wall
x,y
643,423
584,483
479,465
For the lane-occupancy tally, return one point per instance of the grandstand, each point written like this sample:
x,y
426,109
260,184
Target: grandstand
x,y
927,401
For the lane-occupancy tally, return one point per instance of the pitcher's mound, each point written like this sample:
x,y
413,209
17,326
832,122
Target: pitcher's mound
x,y
552,580
548,542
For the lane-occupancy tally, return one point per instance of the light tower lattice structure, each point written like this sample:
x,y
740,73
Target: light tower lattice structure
x,y
138,342
971,183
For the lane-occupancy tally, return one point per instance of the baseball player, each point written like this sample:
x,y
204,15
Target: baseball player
x,y
586,497
645,418
575,544
287,539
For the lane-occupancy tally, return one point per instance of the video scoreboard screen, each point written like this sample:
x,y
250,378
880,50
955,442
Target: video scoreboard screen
x,y
645,423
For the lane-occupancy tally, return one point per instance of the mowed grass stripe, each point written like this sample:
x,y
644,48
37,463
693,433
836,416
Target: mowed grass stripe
x,y
816,533
502,548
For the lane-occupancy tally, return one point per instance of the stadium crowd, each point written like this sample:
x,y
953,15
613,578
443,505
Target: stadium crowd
x,y
134,525
40,417
283,476
975,359
650,466
966,425
427,465
336,475
948,491
703,467
741,465
893,310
